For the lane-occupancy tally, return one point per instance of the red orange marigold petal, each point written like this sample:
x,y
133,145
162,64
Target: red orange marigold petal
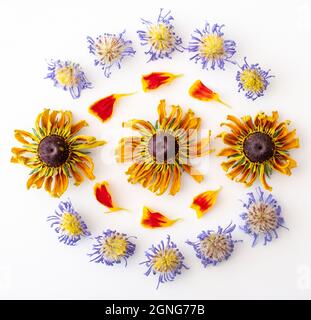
x,y
154,80
199,91
103,196
103,108
152,219
204,202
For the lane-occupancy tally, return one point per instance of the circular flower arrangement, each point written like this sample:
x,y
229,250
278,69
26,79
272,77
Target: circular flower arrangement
x,y
256,147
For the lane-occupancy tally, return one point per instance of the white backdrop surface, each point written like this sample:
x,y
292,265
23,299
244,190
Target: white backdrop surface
x,y
34,265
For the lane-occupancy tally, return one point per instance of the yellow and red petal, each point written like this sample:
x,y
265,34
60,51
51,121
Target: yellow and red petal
x,y
154,80
103,108
152,219
204,202
103,196
199,91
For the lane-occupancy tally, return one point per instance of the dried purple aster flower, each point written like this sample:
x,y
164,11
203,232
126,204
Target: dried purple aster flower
x,y
68,76
109,50
253,80
214,247
111,248
68,224
164,260
262,217
210,47
160,37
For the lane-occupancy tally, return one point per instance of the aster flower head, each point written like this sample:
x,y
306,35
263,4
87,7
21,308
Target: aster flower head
x,y
258,147
109,50
210,47
214,247
68,224
111,247
164,150
164,260
69,76
262,216
253,80
55,152
160,37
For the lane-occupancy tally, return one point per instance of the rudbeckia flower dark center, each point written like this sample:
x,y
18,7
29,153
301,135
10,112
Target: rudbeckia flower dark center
x,y
258,147
53,150
163,147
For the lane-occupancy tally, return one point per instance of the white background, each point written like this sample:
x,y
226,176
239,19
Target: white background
x,y
32,262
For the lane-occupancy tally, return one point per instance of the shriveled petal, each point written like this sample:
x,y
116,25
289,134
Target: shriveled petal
x,y
201,148
174,122
174,118
244,176
76,175
78,126
44,120
263,178
227,152
234,128
235,172
158,179
103,108
126,147
152,219
291,144
162,113
60,184
238,122
165,181
140,125
194,173
32,179
19,151
176,180
64,127
228,164
252,179
88,143
53,119
186,119
204,202
154,80
103,196
230,138
199,91
48,184
88,171
284,169
25,137
285,157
